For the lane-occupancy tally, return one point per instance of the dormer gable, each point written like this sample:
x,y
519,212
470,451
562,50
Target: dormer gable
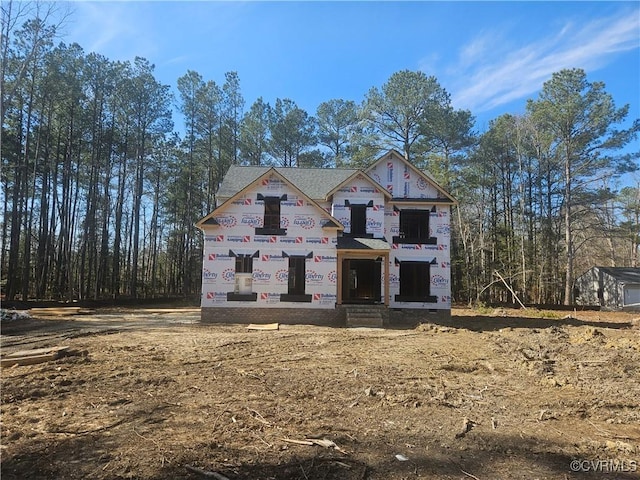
x,y
359,181
403,181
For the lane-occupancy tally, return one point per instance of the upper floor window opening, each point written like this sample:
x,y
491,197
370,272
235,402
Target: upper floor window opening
x,y
414,227
358,219
272,216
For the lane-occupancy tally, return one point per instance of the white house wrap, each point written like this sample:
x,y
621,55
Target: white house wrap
x,y
302,238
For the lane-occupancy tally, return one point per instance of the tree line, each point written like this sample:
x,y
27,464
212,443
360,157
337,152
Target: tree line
x,y
100,194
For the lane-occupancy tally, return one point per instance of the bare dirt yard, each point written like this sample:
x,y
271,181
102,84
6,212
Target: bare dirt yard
x,y
153,394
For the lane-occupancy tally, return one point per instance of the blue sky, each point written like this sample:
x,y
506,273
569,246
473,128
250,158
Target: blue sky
x,y
490,56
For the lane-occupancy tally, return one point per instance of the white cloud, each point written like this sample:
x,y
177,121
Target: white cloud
x,y
478,47
117,30
179,60
428,64
490,79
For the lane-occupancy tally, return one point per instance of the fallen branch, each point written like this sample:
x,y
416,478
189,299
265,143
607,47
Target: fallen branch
x,y
604,433
323,442
469,475
85,432
297,442
510,289
510,392
256,415
145,438
206,473
253,375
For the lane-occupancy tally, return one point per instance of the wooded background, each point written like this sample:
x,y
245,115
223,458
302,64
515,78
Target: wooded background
x,y
100,194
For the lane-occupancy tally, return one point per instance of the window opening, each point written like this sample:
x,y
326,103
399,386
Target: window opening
x,y
244,264
358,219
271,213
296,275
414,227
271,218
415,282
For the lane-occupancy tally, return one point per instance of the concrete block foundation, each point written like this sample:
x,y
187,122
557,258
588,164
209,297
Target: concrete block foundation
x,y
334,317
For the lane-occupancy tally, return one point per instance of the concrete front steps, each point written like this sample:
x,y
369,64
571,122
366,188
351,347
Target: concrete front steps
x,y
365,315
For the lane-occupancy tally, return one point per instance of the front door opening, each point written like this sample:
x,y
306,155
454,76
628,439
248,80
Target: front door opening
x,y
361,281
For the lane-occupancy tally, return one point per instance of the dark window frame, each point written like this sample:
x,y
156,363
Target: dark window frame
x,y
272,215
414,227
415,283
244,264
297,282
358,219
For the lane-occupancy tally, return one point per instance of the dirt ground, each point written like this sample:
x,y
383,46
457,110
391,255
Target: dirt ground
x,y
152,394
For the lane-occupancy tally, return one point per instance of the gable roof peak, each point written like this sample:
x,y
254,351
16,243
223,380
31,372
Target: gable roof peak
x,y
209,220
425,175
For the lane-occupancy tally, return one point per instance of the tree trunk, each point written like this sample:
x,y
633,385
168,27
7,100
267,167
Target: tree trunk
x,y
568,233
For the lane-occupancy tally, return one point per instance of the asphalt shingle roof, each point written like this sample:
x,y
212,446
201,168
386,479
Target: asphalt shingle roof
x,y
356,243
623,274
316,183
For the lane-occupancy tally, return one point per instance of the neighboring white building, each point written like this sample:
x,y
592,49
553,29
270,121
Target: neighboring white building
x,y
613,288
301,238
